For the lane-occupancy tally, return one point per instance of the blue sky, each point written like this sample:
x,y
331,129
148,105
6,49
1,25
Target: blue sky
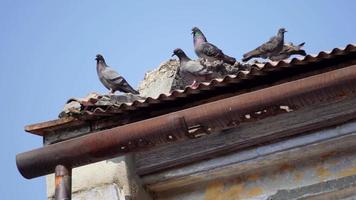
x,y
47,51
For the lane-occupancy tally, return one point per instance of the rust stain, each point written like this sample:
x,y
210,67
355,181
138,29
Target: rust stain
x,y
234,189
322,172
334,162
234,192
58,180
286,167
253,192
347,172
327,155
253,177
298,176
214,191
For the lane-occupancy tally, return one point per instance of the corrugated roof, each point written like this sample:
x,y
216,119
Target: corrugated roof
x,y
205,92
256,70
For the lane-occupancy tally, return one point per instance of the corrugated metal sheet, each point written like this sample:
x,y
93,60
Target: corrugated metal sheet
x,y
107,114
256,70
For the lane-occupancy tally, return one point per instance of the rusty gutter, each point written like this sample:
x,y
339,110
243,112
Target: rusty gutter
x,y
171,127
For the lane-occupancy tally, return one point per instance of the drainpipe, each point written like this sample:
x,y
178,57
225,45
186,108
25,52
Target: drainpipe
x,y
63,183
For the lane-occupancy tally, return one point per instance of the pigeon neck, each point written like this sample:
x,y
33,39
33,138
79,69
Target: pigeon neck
x,y
281,35
100,64
183,57
199,38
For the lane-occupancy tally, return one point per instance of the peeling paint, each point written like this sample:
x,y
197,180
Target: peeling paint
x,y
322,173
287,178
234,192
347,172
286,167
214,191
298,176
221,190
327,155
253,192
254,177
250,187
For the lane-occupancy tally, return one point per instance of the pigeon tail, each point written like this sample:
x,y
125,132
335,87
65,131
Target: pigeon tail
x,y
129,89
301,44
300,52
252,54
229,60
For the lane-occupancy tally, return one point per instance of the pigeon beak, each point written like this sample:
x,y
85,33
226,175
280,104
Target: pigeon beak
x,y
173,55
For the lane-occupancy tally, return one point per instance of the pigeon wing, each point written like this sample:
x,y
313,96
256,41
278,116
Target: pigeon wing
x,y
121,84
270,45
195,68
211,50
111,75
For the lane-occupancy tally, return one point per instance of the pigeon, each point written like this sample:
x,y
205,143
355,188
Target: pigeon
x,y
110,78
190,70
288,50
208,51
271,48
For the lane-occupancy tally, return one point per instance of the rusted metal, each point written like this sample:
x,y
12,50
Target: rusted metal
x,y
140,135
101,145
63,183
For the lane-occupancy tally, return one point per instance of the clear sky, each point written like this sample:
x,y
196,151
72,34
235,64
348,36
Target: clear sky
x,y
47,51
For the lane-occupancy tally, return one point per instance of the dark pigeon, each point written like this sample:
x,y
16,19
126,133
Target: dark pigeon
x,y
288,50
208,51
190,70
271,48
110,78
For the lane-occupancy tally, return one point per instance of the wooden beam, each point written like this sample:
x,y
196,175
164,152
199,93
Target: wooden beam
x,y
247,135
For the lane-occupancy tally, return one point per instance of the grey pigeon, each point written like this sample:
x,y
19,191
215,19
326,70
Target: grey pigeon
x,y
271,48
208,51
190,70
288,50
110,78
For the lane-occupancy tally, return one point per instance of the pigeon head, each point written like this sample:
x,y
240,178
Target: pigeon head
x,y
282,30
196,31
180,54
99,57
198,36
177,52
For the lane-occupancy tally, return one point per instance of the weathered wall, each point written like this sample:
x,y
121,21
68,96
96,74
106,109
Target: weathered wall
x,y
329,175
107,180
271,183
